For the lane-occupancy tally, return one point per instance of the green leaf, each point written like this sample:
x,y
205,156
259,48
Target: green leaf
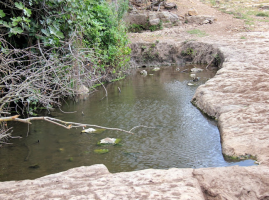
x,y
55,32
8,25
2,14
16,30
19,5
27,12
45,32
15,21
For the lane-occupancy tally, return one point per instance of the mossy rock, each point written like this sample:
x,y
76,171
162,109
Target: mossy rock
x,y
156,69
35,166
61,149
71,159
239,158
101,151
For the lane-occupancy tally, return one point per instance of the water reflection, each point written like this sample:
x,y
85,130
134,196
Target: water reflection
x,y
183,137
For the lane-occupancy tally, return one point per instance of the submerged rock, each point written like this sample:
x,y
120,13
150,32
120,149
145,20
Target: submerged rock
x,y
83,90
71,159
35,166
101,151
92,130
107,140
156,69
192,75
89,130
195,70
196,79
144,72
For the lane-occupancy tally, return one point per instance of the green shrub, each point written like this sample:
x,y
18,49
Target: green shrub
x,y
61,38
262,15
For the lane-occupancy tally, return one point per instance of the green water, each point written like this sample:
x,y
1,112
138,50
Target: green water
x,y
182,136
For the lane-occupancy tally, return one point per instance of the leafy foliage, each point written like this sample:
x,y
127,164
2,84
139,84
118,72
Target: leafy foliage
x,y
69,41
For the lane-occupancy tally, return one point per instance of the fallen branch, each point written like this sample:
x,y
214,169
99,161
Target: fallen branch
x,y
64,124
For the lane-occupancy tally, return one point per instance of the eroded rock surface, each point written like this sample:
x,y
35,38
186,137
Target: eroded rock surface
x,y
95,182
238,96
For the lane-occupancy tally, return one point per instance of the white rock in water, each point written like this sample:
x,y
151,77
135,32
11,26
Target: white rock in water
x,y
89,130
192,75
144,72
190,84
108,141
156,69
195,70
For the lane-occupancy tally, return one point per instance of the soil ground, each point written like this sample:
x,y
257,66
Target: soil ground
x,y
242,20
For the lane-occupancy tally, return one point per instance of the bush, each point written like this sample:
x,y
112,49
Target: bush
x,y
51,47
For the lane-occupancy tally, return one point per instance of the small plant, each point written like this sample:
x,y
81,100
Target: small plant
x,y
217,60
135,28
261,14
156,27
197,32
188,52
243,37
213,2
153,45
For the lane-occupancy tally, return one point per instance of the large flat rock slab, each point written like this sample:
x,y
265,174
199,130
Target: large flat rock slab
x,y
238,97
95,182
234,182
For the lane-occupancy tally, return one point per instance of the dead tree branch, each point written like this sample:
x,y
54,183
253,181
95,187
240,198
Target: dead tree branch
x,y
64,124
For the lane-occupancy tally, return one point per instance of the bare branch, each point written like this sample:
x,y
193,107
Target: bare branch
x,y
64,124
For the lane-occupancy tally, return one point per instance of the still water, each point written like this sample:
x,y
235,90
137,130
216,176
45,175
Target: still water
x,y
183,137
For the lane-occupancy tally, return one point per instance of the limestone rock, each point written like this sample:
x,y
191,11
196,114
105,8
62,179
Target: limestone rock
x,y
153,19
83,90
108,141
169,19
95,182
89,130
192,12
196,70
144,72
201,19
139,18
170,5
234,182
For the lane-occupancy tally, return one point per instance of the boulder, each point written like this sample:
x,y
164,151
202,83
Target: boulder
x,y
170,5
169,19
83,90
144,72
196,70
201,19
139,18
192,12
154,19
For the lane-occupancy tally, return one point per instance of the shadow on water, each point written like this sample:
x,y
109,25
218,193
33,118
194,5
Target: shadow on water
x,y
183,137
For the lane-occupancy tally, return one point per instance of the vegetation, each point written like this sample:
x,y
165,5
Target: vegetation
x,y
241,10
261,14
50,48
137,28
197,32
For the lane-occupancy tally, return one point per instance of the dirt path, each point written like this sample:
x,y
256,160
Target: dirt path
x,y
225,26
